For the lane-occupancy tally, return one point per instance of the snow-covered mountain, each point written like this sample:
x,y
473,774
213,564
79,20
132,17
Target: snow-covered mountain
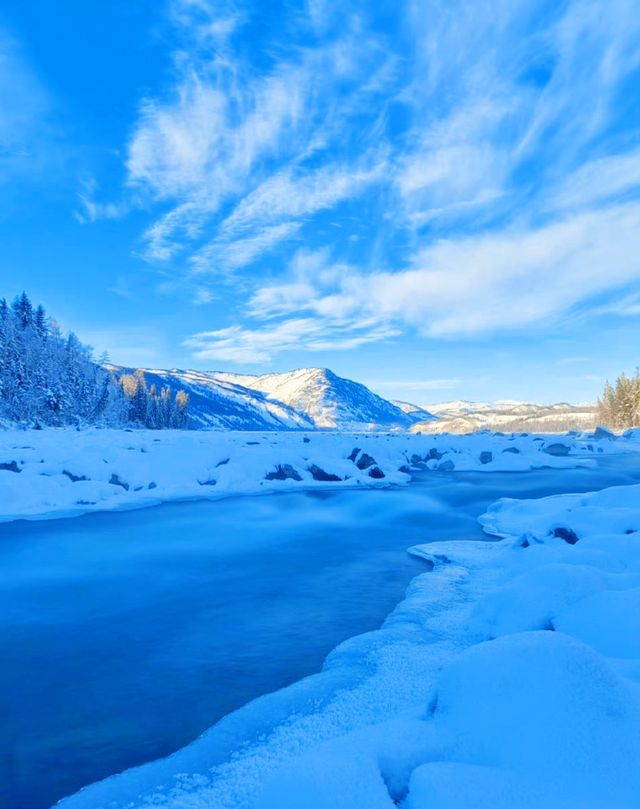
x,y
317,398
305,399
221,404
414,411
462,407
330,401
506,416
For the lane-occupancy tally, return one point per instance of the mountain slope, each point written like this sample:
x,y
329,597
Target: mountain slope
x,y
330,401
221,404
416,412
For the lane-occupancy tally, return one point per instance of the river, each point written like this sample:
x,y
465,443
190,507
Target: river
x,y
126,635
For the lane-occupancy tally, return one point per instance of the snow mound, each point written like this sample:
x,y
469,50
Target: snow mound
x,y
545,705
609,621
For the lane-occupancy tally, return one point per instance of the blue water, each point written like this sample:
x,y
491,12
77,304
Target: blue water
x,y
125,635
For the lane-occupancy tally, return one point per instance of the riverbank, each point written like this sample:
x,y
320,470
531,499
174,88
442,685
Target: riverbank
x,y
62,472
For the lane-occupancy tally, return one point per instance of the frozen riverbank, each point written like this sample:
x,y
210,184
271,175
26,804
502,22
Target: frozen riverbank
x,y
52,473
508,677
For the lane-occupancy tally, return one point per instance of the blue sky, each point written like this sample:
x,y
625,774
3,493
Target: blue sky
x,y
436,197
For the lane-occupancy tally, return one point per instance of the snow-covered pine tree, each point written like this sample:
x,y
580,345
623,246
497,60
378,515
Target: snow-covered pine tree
x,y
619,405
47,378
182,403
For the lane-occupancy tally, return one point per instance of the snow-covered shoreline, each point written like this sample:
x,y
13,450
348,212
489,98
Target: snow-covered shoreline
x,y
64,472
508,677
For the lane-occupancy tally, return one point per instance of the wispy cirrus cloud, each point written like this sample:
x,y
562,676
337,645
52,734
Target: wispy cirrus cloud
x,y
598,181
517,278
258,345
92,210
224,254
25,114
229,133
289,194
275,210
451,169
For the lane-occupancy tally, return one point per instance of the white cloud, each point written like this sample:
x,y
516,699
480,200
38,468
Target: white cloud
x,y
467,117
230,133
457,164
176,146
242,345
208,22
309,284
92,210
272,214
511,279
209,141
599,180
625,306
499,84
594,46
203,296
166,237
285,195
200,148
222,256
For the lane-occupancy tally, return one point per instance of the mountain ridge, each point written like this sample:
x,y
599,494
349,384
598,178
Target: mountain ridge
x,y
331,401
302,399
507,416
319,399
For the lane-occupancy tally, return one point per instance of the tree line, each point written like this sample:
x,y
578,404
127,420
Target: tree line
x,y
619,405
48,378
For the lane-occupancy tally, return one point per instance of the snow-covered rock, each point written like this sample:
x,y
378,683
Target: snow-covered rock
x,y
533,719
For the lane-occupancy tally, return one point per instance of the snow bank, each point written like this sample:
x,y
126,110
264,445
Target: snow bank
x,y
535,719
64,472
508,678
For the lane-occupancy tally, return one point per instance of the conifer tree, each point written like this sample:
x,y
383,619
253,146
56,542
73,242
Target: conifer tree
x,y
47,378
619,405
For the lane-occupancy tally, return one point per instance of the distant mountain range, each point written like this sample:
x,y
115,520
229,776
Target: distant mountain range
x,y
506,416
318,399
